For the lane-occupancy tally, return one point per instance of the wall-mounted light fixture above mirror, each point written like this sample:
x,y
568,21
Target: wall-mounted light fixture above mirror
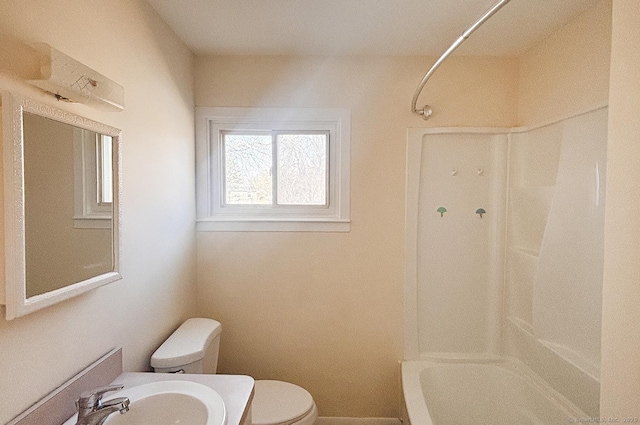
x,y
69,80
61,205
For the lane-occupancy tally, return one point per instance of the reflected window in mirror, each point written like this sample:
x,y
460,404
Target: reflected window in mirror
x,y
93,179
68,226
104,175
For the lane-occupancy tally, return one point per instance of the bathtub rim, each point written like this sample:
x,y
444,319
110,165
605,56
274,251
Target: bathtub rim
x,y
413,397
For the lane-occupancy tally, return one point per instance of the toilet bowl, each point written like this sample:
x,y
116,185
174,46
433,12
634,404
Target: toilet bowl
x,y
282,403
197,341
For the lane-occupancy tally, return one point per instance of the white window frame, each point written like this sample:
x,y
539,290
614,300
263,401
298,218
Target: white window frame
x,y
88,211
214,215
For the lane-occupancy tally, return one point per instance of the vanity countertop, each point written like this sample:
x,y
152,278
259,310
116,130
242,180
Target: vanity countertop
x,y
235,390
58,406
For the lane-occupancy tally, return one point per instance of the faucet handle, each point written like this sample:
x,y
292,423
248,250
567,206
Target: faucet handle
x,y
91,399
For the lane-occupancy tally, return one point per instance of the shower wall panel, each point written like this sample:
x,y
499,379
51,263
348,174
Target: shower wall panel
x,y
525,279
458,260
567,301
555,253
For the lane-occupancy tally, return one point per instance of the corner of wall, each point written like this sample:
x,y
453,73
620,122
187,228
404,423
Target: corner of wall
x,y
567,72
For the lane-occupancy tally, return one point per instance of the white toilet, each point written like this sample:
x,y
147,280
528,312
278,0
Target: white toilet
x,y
274,402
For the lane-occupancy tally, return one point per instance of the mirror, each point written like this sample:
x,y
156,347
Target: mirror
x,y
61,192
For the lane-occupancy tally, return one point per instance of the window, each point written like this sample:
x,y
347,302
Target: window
x,y
93,179
267,169
104,168
275,168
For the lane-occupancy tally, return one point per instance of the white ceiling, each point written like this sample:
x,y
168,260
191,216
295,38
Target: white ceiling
x,y
361,27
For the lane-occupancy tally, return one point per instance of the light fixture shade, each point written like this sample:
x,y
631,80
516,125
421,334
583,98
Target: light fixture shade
x,y
68,79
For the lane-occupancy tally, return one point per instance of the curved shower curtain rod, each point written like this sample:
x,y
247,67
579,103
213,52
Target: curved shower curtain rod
x,y
427,111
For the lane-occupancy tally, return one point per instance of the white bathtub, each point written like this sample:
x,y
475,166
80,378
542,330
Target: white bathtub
x,y
480,393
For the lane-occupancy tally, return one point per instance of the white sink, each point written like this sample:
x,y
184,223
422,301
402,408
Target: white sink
x,y
168,403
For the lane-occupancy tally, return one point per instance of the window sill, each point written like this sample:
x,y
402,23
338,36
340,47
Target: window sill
x,y
92,222
272,225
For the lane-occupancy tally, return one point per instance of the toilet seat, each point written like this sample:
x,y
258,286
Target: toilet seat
x,y
282,403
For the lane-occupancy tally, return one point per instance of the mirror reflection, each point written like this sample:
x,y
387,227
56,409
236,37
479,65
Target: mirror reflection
x,y
68,195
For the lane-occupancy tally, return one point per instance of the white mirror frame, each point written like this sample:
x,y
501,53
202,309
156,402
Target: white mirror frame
x,y
15,295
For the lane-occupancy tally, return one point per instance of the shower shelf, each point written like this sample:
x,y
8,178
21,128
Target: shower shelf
x,y
541,188
522,325
525,251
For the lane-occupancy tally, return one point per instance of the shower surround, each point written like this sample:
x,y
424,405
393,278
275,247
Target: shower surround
x,y
523,279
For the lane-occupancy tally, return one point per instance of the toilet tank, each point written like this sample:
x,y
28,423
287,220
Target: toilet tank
x,y
192,348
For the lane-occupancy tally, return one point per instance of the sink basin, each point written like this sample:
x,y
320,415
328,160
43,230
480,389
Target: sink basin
x,y
168,403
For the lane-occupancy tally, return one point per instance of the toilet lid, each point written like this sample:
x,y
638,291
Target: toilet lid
x,y
277,402
187,344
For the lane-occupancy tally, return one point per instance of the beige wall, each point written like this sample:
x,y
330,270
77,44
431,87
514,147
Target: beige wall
x,y
621,296
126,41
568,71
324,310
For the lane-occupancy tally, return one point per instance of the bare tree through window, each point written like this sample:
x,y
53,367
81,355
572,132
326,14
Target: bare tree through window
x,y
248,164
302,169
300,161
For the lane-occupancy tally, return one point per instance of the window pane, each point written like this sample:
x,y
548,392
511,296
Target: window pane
x,y
247,162
302,169
105,164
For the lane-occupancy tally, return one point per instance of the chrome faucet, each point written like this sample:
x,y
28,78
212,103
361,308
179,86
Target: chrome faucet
x,y
93,411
